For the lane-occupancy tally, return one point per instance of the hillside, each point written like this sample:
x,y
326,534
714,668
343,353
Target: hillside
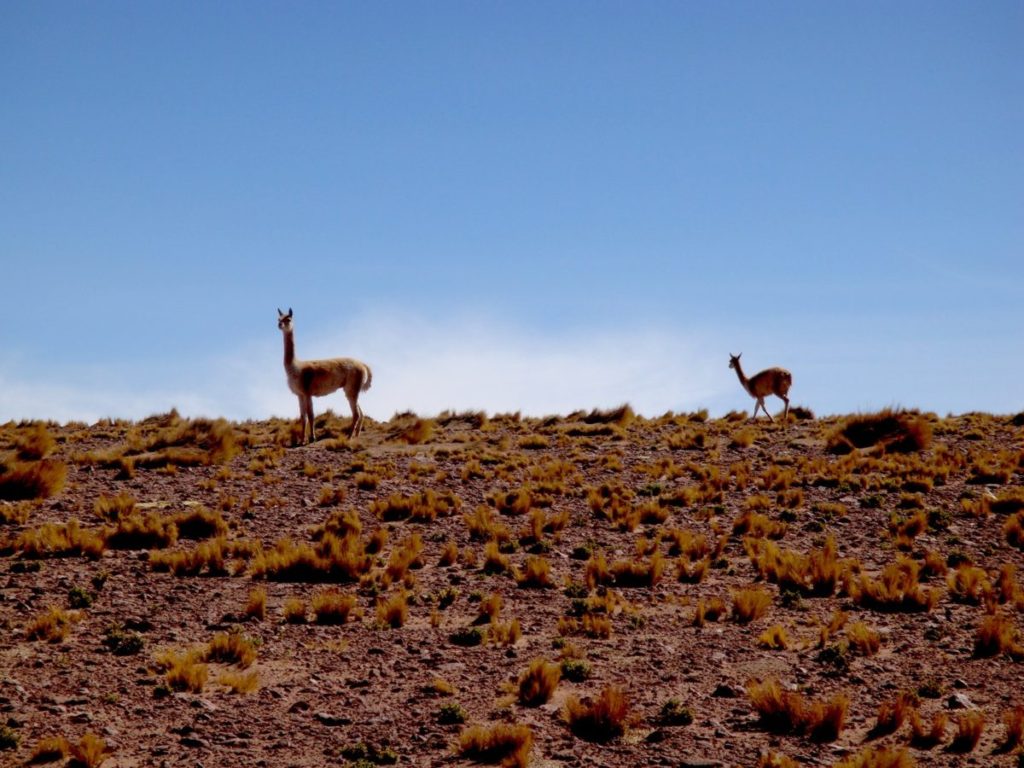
x,y
613,590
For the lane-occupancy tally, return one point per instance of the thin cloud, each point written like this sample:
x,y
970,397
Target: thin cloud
x,y
469,363
423,366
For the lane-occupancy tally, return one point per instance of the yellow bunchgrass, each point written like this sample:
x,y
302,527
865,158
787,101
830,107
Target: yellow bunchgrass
x,y
879,757
775,638
183,670
783,711
750,603
969,727
52,625
892,713
536,573
49,749
599,719
231,648
537,682
89,752
332,606
863,639
256,604
294,610
503,743
239,682
393,611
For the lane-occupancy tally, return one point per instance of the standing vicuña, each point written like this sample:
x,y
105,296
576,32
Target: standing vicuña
x,y
314,378
771,381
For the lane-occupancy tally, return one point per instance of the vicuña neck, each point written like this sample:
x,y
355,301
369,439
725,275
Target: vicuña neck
x,y
289,349
742,378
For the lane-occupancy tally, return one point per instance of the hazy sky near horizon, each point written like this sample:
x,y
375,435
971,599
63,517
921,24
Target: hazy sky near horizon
x,y
535,206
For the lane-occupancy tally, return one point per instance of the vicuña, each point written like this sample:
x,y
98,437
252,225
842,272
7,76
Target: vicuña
x,y
770,381
316,378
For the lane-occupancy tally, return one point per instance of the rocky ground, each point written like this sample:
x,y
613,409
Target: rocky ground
x,y
605,538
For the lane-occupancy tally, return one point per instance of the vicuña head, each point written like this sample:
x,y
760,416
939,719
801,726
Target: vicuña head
x,y
771,381
315,378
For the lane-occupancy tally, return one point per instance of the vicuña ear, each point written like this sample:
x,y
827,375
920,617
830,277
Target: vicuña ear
x,y
279,312
289,313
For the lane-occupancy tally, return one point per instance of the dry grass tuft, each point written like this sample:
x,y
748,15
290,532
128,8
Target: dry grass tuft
x,y
53,625
783,711
59,540
177,443
239,682
758,526
110,509
16,514
49,749
423,506
536,573
504,744
892,714
230,648
294,611
538,682
896,589
1013,529
750,603
504,633
969,727
89,752
208,555
393,611
494,560
411,429
633,573
406,554
601,719
997,634
968,584
814,573
927,737
183,670
1013,721
332,559
200,523
893,431
35,443
256,604
776,760
21,480
332,606
135,531
879,757
863,639
775,638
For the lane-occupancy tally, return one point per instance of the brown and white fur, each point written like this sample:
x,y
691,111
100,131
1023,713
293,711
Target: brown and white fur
x,y
771,381
315,378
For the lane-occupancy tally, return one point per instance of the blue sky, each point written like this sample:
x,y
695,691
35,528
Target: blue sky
x,y
536,206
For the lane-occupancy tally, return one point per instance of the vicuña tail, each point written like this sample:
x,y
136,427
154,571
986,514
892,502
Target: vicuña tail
x,y
367,379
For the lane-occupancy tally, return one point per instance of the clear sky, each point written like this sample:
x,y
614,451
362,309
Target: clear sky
x,y
510,205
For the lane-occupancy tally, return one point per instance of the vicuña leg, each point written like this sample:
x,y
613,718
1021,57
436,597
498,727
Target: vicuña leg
x,y
352,395
309,417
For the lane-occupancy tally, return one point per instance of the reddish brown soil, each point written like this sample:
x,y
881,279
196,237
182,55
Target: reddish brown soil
x,y
325,689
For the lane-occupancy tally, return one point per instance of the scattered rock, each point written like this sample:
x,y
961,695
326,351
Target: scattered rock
x,y
332,720
959,701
